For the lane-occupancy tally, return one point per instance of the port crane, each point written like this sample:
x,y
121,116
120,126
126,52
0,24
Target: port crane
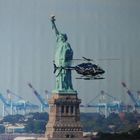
x,y
47,93
114,104
6,104
134,99
106,106
44,103
22,104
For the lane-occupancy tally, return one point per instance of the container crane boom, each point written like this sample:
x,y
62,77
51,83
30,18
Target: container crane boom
x,y
22,104
42,100
10,92
103,92
5,101
131,95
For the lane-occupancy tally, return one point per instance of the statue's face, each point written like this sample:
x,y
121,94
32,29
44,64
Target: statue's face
x,y
63,37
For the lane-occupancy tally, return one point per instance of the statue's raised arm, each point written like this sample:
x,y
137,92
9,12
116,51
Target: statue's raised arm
x,y
53,25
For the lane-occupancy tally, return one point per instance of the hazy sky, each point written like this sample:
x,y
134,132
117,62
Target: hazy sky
x,y
95,29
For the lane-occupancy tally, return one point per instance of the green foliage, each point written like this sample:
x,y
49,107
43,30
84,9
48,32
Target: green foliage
x,y
92,121
37,123
39,116
113,123
35,126
14,119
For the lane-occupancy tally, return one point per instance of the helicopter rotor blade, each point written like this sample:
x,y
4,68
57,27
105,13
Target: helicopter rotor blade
x,y
108,59
87,59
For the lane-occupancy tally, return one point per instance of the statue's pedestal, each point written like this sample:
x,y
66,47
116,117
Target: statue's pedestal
x,y
64,118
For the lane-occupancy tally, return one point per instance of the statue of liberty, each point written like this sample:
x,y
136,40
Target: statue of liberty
x,y
63,57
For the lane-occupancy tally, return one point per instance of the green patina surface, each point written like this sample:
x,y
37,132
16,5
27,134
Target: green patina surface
x,y
63,57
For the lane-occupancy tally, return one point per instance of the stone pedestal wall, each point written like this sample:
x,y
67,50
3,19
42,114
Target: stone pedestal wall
x,y
64,118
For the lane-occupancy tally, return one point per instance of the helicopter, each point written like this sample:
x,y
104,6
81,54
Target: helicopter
x,y
87,70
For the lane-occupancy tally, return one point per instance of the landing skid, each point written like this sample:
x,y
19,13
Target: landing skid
x,y
90,78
